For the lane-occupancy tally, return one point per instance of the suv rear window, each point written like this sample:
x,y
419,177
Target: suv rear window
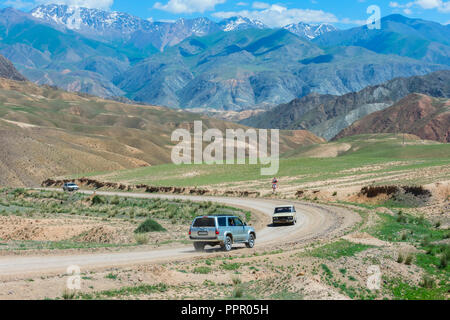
x,y
204,222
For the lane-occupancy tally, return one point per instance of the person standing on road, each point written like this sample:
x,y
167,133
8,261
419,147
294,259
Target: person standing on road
x,y
274,184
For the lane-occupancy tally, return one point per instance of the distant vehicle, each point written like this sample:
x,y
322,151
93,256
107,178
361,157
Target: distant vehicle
x,y
221,231
70,187
284,215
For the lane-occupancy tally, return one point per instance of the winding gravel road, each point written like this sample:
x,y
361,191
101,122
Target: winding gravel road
x,y
314,222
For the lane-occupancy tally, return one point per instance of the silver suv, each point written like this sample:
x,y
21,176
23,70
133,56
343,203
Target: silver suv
x,y
70,187
221,231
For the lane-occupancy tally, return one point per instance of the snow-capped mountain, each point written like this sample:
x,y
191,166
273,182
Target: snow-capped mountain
x,y
85,19
94,20
141,33
310,31
241,23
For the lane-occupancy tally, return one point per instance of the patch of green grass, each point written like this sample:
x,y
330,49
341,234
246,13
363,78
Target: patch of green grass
x,y
111,276
56,245
432,260
202,270
230,266
326,270
404,291
341,248
43,203
366,150
126,291
405,228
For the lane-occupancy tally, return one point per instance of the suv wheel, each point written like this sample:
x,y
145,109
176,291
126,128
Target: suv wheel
x,y
251,241
228,244
199,246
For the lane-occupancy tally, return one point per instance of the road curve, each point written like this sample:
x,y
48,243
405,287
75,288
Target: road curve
x,y
314,222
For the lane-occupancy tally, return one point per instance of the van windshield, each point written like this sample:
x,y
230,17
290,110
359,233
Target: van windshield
x,y
204,222
283,210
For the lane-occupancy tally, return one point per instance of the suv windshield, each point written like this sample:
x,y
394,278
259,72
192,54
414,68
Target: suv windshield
x,y
204,222
283,210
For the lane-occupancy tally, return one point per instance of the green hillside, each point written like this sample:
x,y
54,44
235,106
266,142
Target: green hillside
x,y
375,154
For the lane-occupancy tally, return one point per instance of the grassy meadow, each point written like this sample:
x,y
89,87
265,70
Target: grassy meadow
x,y
377,155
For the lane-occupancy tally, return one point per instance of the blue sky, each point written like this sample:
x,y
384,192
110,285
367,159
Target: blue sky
x,y
342,13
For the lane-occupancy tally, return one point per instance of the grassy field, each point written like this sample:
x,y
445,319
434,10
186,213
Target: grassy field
x,y
376,155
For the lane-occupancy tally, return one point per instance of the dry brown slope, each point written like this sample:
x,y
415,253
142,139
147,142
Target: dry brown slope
x,y
8,71
45,132
418,114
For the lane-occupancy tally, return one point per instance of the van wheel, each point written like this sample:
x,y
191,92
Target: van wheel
x,y
199,246
228,244
251,241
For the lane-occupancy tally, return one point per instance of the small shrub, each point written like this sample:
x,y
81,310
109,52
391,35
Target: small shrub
x,y
96,200
115,200
427,282
238,292
68,294
417,191
409,259
426,241
236,281
373,191
141,239
401,218
443,262
400,258
149,225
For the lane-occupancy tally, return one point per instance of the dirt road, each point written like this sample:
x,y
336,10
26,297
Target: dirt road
x,y
314,222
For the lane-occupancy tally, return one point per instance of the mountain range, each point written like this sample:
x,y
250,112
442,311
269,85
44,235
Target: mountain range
x,y
236,64
327,115
417,114
119,26
415,38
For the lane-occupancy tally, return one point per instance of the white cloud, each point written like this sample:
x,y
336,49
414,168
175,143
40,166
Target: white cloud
x,y
440,5
260,5
188,6
97,4
279,16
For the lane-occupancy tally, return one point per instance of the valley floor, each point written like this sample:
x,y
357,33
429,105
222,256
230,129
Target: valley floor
x,y
410,249
389,211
